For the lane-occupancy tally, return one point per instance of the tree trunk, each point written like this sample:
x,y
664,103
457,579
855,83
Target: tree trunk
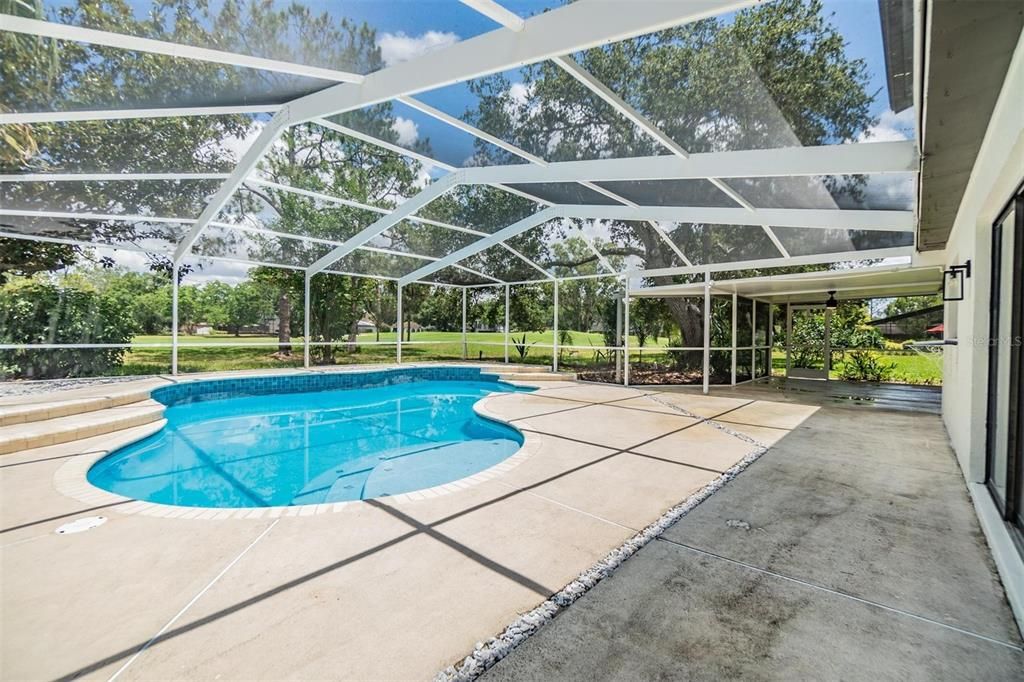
x,y
284,325
690,319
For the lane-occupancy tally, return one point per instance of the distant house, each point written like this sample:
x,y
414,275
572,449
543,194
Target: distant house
x,y
203,329
365,326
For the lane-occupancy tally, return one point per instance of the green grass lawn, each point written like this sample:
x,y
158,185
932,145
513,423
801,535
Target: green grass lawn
x,y
907,368
201,354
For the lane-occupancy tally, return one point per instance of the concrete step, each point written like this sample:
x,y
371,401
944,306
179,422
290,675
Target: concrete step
x,y
63,429
42,410
537,376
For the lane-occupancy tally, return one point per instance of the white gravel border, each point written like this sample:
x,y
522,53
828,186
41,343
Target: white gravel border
x,y
486,654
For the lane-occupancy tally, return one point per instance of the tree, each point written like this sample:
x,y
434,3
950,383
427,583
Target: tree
x,y
647,319
442,309
530,308
213,300
69,310
249,304
915,326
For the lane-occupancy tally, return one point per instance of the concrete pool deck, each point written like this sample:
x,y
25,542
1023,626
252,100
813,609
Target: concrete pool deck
x,y
383,589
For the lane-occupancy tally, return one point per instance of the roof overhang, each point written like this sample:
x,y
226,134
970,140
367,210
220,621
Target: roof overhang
x,y
813,287
968,51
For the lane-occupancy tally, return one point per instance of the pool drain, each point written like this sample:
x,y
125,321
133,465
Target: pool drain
x,y
81,525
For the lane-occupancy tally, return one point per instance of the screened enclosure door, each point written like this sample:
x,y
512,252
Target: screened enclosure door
x,y
807,342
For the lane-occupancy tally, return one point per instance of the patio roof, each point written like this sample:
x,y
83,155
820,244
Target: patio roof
x,y
812,287
778,200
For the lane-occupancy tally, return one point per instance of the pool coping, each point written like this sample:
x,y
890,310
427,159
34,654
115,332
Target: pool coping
x,y
71,478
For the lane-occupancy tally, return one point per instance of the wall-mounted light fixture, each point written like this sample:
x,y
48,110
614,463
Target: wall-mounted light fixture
x,y
953,281
832,302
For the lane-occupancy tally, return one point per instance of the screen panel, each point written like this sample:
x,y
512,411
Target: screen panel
x,y
801,241
543,110
880,192
184,199
479,207
236,244
357,37
768,76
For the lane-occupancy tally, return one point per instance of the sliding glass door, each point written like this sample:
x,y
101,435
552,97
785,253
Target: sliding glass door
x,y
1005,425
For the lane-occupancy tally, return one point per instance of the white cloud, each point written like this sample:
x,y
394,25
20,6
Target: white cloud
x,y
408,131
203,269
890,191
399,47
891,127
520,93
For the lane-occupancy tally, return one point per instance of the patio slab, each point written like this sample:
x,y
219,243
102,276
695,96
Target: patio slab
x,y
668,613
391,589
849,551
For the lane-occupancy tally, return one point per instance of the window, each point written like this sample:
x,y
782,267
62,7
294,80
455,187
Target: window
x,y
1004,474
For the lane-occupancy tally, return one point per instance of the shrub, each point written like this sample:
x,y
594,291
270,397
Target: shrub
x,y
862,365
39,310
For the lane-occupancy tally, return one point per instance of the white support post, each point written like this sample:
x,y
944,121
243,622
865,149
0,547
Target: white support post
x,y
828,343
618,340
625,337
174,318
733,371
753,339
789,336
401,326
306,326
507,331
707,332
554,349
465,345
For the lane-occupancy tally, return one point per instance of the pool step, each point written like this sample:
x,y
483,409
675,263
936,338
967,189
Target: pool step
x,y
49,409
537,376
95,421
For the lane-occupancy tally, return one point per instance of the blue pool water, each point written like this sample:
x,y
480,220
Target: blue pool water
x,y
293,448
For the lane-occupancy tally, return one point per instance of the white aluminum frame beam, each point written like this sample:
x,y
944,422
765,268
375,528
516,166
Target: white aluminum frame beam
x,y
369,139
496,13
467,128
862,158
587,79
271,131
119,114
376,141
90,215
108,177
480,245
578,26
81,34
406,209
780,262
813,218
536,160
818,218
569,65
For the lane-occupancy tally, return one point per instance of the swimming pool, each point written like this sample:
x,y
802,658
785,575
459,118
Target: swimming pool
x,y
300,440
